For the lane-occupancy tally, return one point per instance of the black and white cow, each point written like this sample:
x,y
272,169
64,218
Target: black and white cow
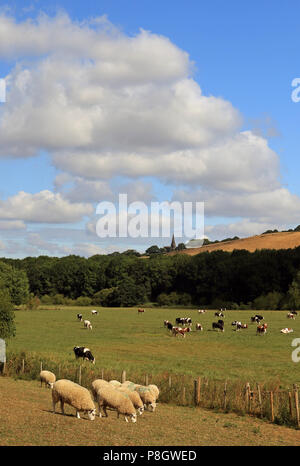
x,y
216,325
184,321
94,312
79,317
84,353
219,314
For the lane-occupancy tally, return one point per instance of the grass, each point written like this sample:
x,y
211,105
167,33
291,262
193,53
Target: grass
x,y
123,340
24,403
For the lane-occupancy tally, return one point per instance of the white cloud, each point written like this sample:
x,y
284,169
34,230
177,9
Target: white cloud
x,y
104,104
43,207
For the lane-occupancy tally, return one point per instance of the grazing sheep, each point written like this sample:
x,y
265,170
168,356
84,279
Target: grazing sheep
x,y
154,389
147,396
129,384
134,397
87,324
74,395
96,385
108,396
115,383
94,312
48,378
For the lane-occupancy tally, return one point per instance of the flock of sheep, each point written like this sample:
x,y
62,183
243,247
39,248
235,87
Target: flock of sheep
x,y
126,398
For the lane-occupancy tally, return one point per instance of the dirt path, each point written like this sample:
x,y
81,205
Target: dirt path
x,y
26,419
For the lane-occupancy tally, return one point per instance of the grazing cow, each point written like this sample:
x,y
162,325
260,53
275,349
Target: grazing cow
x,y
180,331
94,312
79,317
216,325
168,324
221,322
294,312
261,329
84,353
235,322
141,310
184,321
199,327
87,324
257,318
239,325
219,314
290,315
201,311
286,330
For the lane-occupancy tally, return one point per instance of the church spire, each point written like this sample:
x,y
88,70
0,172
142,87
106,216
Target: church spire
x,y
173,244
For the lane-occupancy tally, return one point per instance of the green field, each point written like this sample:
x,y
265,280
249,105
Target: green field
x,y
139,343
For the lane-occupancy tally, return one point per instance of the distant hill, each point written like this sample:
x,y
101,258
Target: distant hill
x,y
281,240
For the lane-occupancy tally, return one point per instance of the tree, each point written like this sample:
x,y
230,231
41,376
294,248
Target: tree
x,y
153,250
7,324
16,283
293,294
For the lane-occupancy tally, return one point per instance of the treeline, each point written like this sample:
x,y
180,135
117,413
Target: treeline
x,y
265,279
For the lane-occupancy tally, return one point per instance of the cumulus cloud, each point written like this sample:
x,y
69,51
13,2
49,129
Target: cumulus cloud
x,y
45,207
104,104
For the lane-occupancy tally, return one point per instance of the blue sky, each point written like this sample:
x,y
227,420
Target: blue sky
x,y
243,54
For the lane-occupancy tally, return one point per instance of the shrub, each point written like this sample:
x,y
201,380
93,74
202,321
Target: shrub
x,y
83,301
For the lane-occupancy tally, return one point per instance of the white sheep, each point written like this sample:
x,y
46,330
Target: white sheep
x,y
74,395
148,397
115,383
87,324
129,384
48,378
108,396
96,385
154,389
135,398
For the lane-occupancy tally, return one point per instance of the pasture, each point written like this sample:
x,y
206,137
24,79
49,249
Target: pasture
x,y
24,403
140,344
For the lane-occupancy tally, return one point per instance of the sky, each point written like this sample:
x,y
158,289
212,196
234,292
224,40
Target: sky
x,y
163,101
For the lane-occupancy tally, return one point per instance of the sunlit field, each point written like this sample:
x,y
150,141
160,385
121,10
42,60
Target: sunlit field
x,y
122,339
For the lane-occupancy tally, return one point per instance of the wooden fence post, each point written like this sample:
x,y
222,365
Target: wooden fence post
x,y
225,393
102,374
123,376
170,381
183,396
197,385
79,377
272,406
259,400
291,405
23,366
146,380
247,397
297,405
41,366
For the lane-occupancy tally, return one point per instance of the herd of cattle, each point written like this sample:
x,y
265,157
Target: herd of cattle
x,y
184,324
